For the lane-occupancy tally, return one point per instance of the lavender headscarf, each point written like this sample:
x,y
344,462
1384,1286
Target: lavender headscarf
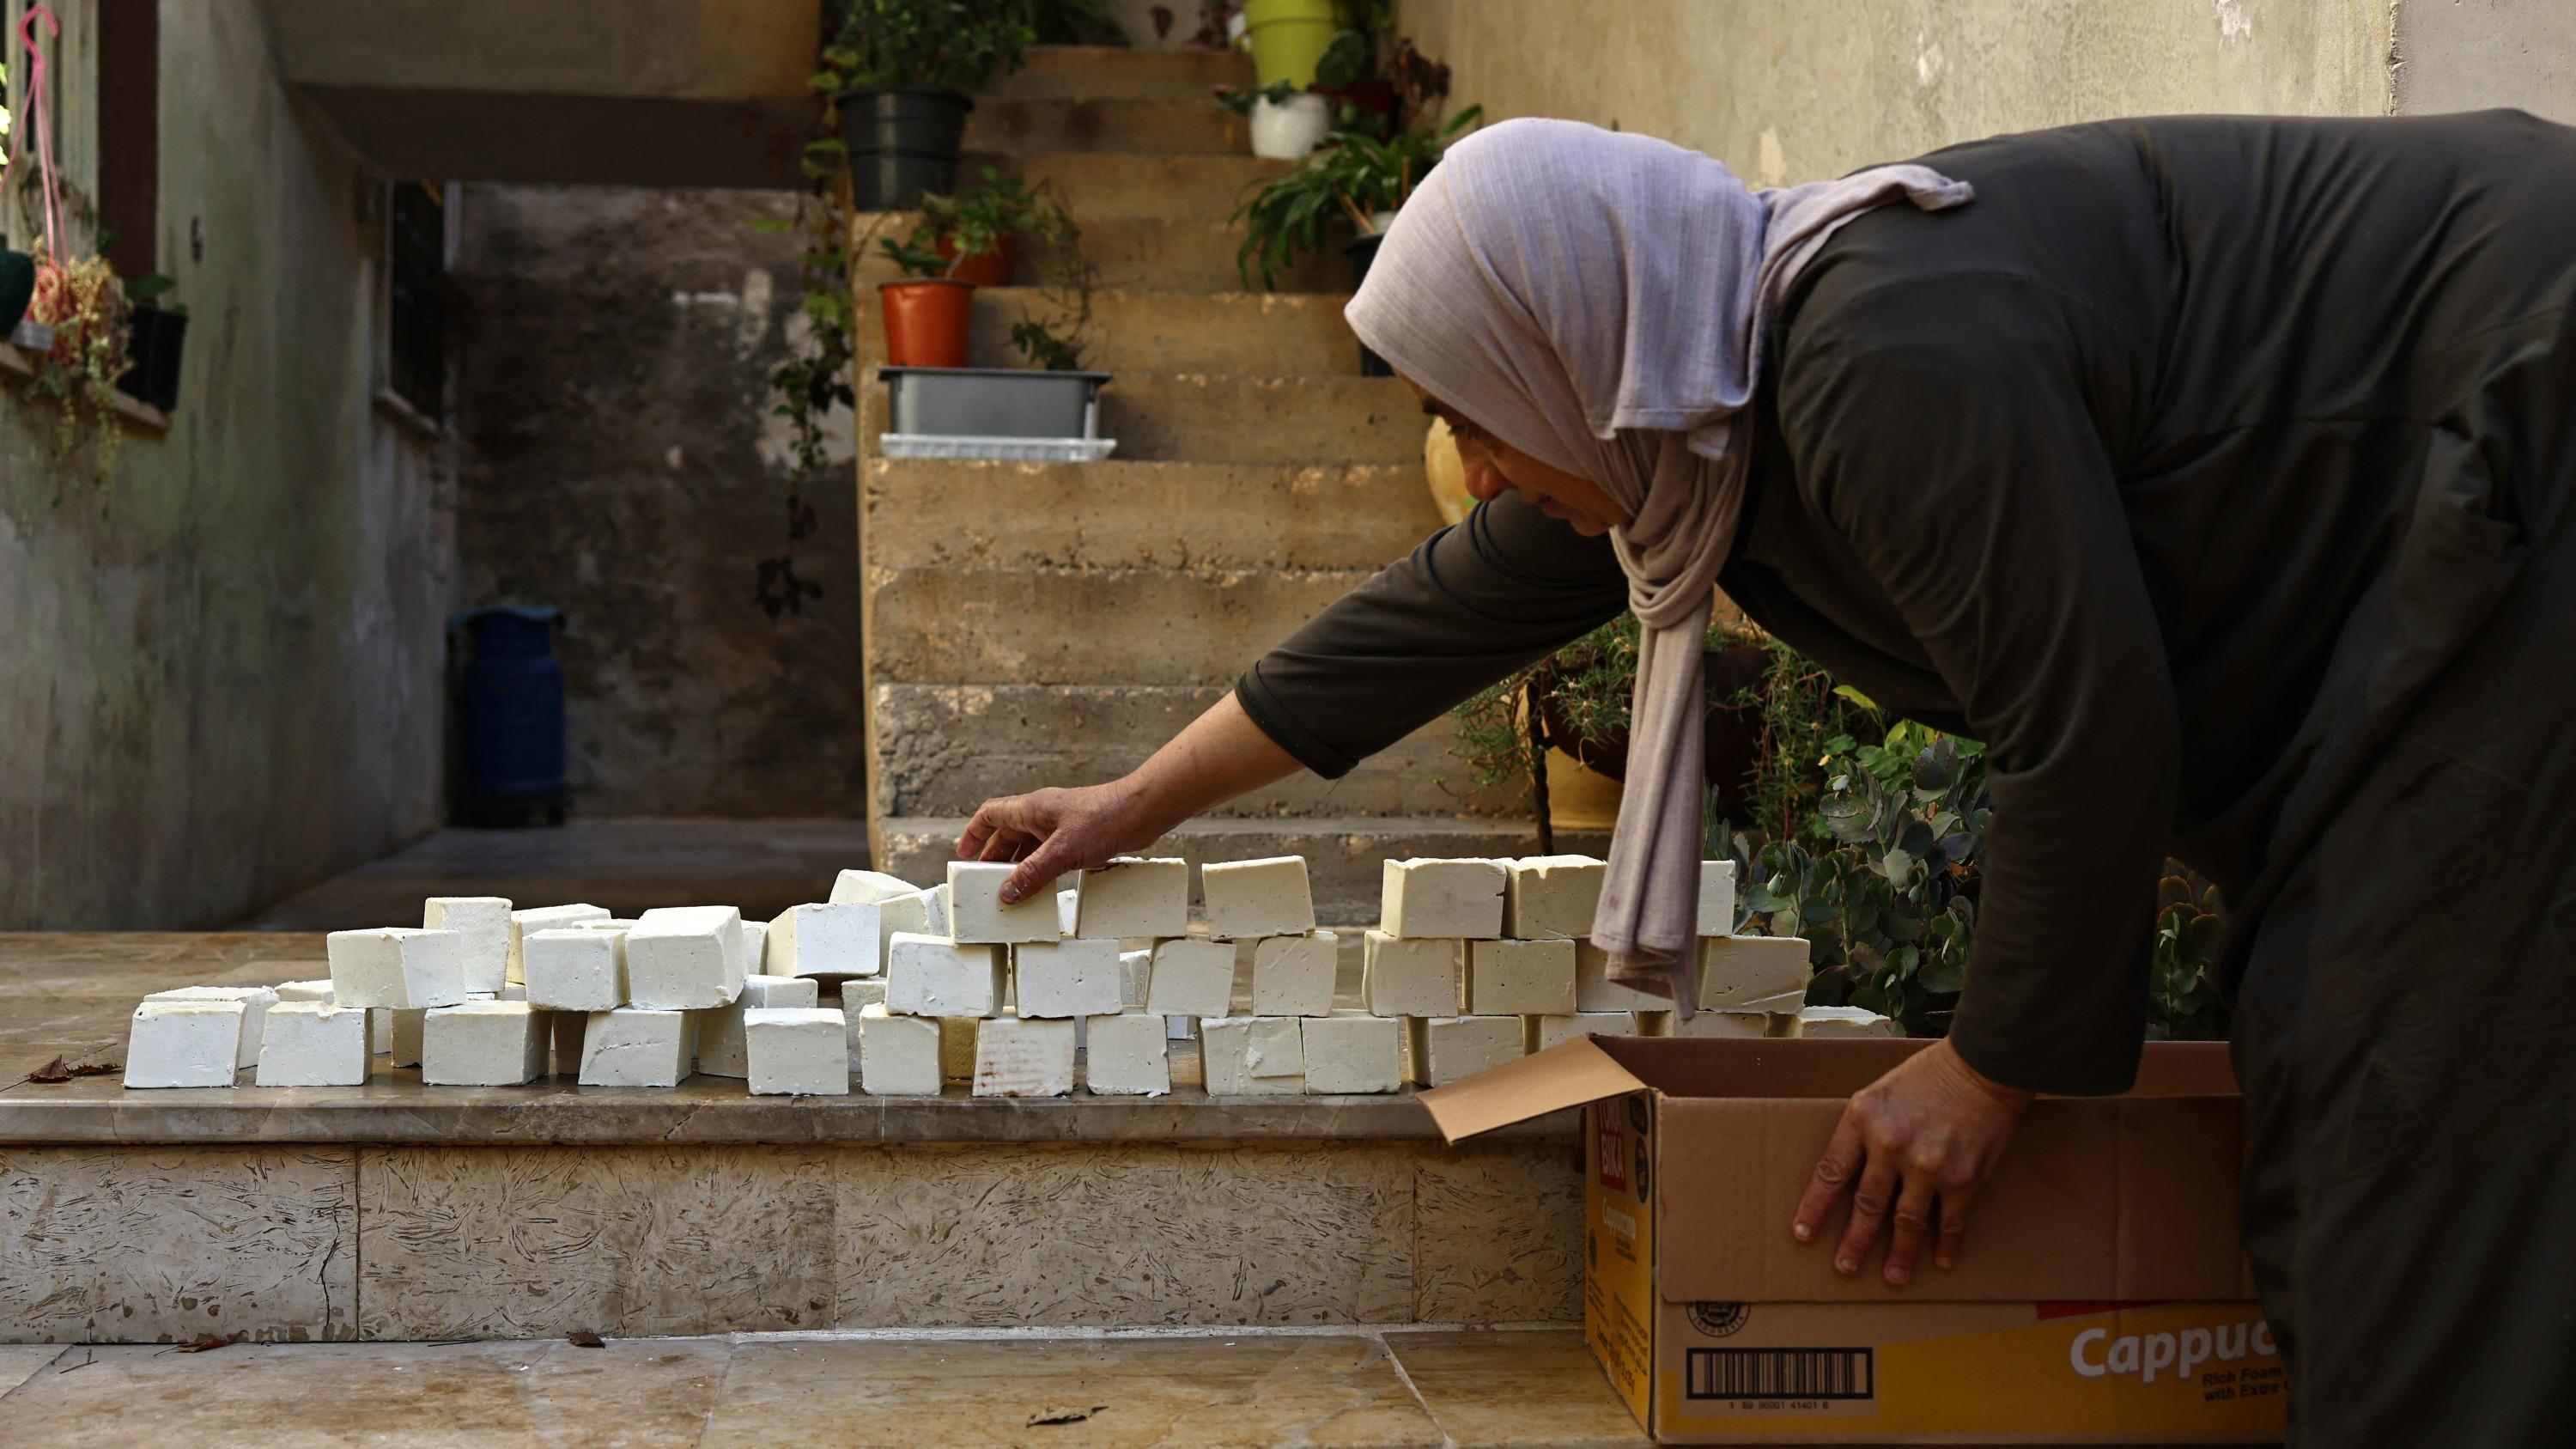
x,y
1597,300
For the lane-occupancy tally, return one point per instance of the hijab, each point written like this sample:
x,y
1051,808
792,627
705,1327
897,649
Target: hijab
x,y
1598,301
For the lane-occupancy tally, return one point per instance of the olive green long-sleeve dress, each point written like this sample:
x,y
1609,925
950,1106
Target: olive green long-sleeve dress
x,y
2220,474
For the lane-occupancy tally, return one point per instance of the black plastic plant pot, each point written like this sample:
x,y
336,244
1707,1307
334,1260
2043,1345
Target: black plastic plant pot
x,y
154,339
903,141
1362,251
17,288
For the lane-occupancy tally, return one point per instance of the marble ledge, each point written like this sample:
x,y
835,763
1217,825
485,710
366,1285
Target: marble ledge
x,y
701,1110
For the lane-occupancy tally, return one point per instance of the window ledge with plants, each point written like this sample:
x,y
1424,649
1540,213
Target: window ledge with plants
x,y
133,412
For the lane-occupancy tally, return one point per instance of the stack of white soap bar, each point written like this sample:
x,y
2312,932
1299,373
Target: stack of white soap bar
x,y
798,1050
723,1046
484,1044
255,1001
184,1043
685,958
483,926
313,1044
544,918
1133,898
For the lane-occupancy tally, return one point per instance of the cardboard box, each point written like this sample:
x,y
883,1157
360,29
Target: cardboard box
x,y
2102,1296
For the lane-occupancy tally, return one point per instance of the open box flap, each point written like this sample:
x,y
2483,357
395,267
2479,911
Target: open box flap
x,y
1568,1074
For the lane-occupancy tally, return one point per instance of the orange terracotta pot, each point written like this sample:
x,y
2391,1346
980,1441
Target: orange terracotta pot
x,y
926,321
989,268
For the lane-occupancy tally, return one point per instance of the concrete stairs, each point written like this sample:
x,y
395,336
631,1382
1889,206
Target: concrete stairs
x,y
1035,624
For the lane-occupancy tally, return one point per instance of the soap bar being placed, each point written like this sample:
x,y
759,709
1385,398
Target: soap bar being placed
x,y
1067,978
1552,896
1420,899
1133,898
1017,1057
796,1051
484,923
399,967
1267,897
1293,975
1127,1056
183,1044
1352,1051
976,914
685,958
934,976
1412,977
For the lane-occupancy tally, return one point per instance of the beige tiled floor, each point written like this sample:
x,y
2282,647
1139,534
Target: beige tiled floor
x,y
1468,1388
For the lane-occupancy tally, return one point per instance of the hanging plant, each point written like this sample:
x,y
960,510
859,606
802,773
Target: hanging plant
x,y
85,305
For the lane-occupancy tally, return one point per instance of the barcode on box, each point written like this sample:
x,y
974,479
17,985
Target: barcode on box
x,y
1782,1373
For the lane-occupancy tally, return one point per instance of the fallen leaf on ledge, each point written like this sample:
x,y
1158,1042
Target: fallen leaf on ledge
x,y
1064,1415
202,1345
584,1338
53,1071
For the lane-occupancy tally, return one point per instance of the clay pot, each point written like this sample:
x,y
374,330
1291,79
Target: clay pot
x,y
988,268
1731,735
926,321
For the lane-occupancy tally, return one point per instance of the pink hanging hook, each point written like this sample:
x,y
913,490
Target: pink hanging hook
x,y
40,131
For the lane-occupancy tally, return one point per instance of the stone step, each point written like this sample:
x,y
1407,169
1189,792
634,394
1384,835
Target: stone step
x,y
943,749
1089,71
1085,626
1142,514
1271,334
1158,255
1099,184
1343,853
1217,417
1174,125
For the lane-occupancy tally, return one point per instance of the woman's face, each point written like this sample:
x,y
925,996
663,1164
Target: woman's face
x,y
1494,467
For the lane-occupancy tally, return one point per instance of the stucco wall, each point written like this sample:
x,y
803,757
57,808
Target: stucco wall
x,y
2467,55
225,684
621,463
1787,93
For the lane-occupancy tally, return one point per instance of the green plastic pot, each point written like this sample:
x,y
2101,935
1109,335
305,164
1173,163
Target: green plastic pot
x,y
1288,37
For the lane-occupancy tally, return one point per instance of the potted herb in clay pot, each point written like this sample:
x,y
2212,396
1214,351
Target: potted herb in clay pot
x,y
899,71
155,333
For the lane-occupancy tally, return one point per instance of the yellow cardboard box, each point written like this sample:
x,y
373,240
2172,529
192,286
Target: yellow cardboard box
x,y
2102,1298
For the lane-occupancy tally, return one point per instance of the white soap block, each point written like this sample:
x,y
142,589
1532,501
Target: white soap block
x,y
484,1044
1543,1032
685,958
1017,1057
380,1031
1128,1056
1595,991
934,976
755,949
569,1029
1412,977
1837,1022
484,923
976,913
829,940
636,1046
1065,910
867,887
255,1000
1520,978
1352,1051
1192,977
796,1051
1293,975
861,993
398,967
934,906
1267,897
183,1044
721,1043
611,923
1452,1048
1740,970
1551,896
1716,897
1133,898
1242,1056
545,918
1135,978
314,1044
316,990
1070,978
1730,1024
1420,899
898,1055
404,1037
571,970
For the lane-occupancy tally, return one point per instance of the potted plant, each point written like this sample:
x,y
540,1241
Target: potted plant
x,y
1287,124
898,71
963,241
1288,38
155,334
84,307
1353,176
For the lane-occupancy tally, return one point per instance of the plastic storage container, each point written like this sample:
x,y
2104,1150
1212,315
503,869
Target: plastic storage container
x,y
992,402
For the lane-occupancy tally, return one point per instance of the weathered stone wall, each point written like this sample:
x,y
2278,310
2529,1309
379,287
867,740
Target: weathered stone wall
x,y
1787,93
220,680
620,461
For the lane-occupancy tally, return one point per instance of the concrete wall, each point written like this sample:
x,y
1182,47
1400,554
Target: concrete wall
x,y
2466,55
221,682
1787,93
620,462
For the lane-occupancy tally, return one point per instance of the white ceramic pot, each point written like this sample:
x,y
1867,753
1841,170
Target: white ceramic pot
x,y
1291,129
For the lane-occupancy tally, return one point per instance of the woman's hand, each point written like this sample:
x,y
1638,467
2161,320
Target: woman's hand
x,y
1052,831
1912,1150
